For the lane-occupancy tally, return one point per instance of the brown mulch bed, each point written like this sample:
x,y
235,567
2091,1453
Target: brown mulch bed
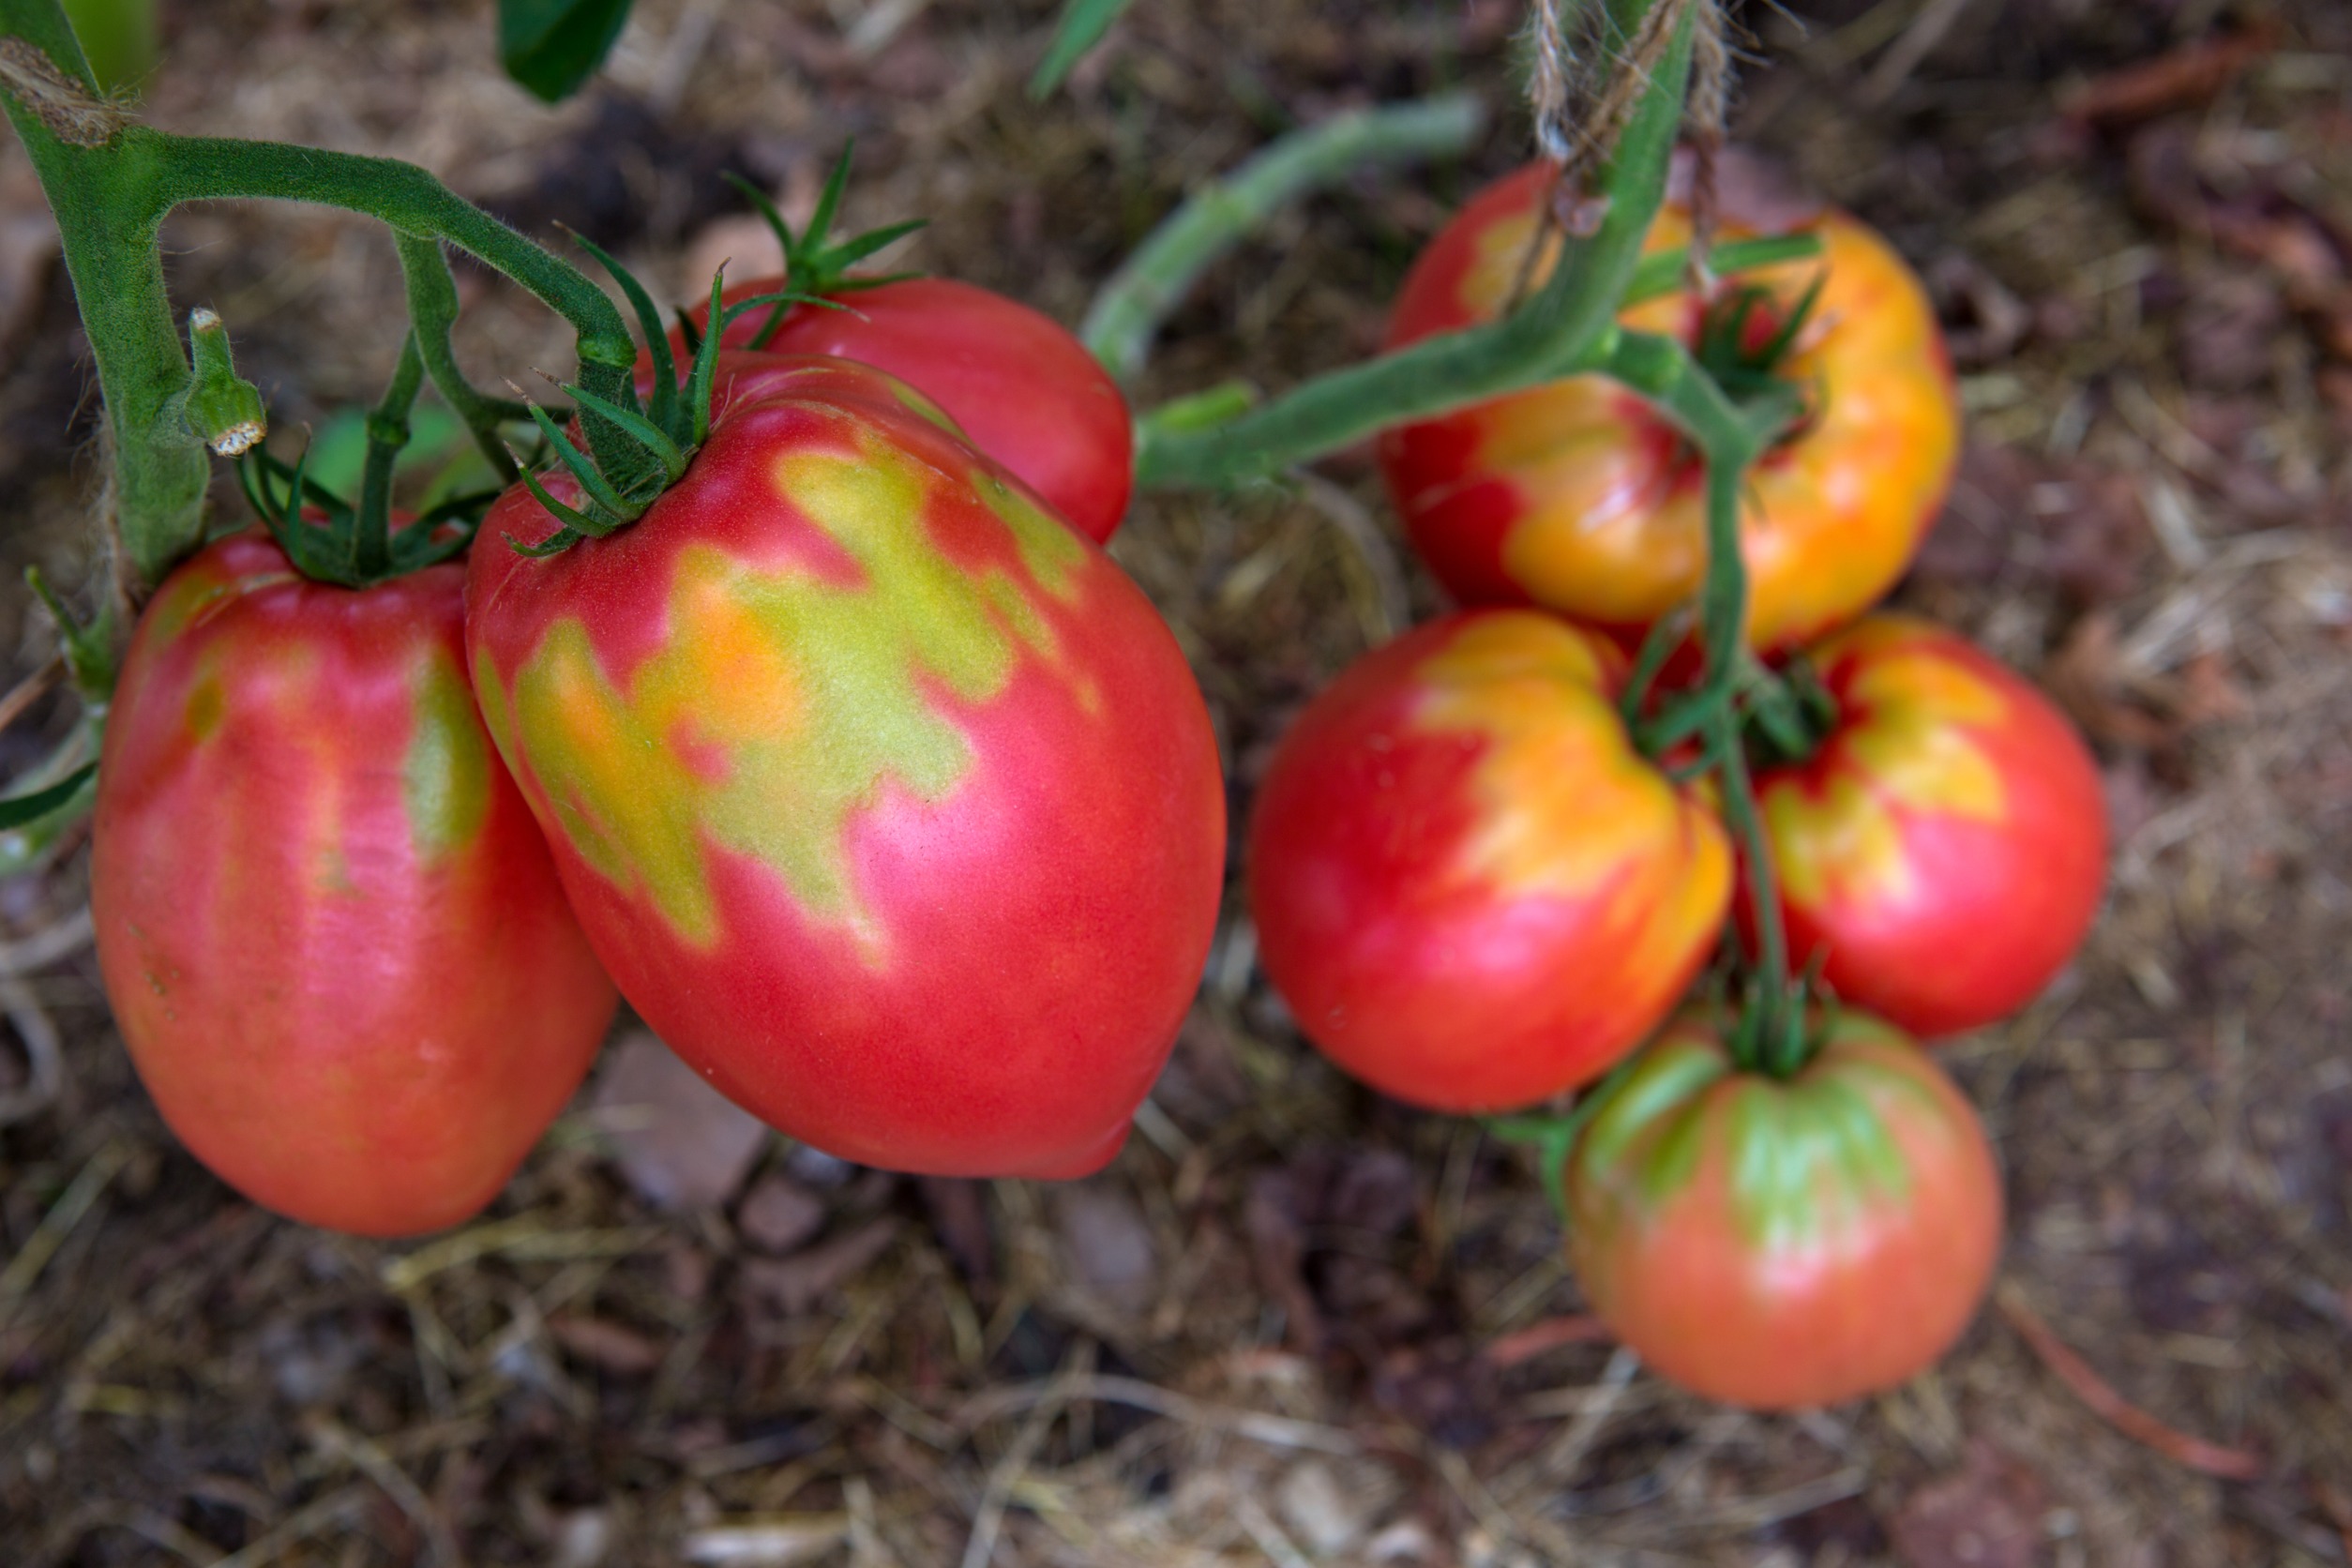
x,y
1294,1324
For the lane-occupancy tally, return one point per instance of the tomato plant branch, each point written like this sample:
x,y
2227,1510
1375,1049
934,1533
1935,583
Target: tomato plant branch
x,y
388,434
432,312
1730,437
412,202
1129,308
1567,325
154,511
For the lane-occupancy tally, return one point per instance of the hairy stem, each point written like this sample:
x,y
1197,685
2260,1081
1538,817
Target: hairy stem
x,y
199,168
432,312
388,434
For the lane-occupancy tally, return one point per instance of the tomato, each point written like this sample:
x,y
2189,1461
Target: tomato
x,y
1579,496
1470,888
1782,1243
1023,388
331,932
888,799
1944,851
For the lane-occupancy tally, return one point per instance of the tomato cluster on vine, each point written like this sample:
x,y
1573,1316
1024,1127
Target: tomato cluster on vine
x,y
1486,865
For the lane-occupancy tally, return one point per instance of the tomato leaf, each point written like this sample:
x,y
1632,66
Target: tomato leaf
x,y
552,47
20,809
1083,25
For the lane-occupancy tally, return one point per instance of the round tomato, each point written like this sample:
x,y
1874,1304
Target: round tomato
x,y
888,799
331,932
1471,889
1943,854
1023,388
1784,1243
1580,497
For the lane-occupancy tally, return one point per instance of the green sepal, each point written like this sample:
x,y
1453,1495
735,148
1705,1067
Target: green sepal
x,y
664,406
698,390
600,492
574,521
812,266
322,553
223,410
554,544
657,440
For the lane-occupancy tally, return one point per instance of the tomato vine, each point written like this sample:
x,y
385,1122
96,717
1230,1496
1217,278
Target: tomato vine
x,y
112,182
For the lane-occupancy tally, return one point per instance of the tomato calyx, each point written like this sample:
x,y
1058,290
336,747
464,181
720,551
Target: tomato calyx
x,y
1781,1024
1746,337
669,427
1787,714
329,539
358,545
818,269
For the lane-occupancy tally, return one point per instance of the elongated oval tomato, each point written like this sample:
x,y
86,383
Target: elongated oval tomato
x,y
1023,388
886,797
1777,1244
1944,851
330,930
1471,889
1579,496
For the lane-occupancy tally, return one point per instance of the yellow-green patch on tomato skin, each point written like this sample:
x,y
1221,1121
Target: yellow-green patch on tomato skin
x,y
885,796
1782,1244
330,931
446,772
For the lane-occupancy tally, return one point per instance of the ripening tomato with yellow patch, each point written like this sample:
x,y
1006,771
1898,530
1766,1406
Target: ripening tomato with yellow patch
x,y
1579,496
888,800
1942,853
1781,1242
1018,383
331,932
1470,888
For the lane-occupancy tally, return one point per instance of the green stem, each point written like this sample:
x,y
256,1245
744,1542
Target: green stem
x,y
388,434
1564,328
203,168
1657,646
75,142
1770,995
1129,311
1728,436
432,312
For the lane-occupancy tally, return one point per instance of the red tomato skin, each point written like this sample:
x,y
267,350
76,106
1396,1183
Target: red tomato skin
x,y
1021,385
1856,1272
922,918
1577,497
1944,852
1471,891
330,931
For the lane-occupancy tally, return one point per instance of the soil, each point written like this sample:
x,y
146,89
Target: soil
x,y
1293,1323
